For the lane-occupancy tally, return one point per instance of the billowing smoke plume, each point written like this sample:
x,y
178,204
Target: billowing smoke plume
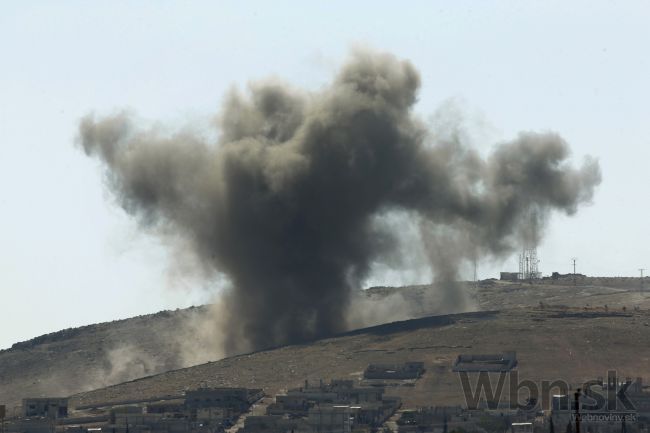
x,y
284,202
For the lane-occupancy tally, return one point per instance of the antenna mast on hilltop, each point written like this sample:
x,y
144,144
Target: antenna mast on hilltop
x,y
528,264
528,261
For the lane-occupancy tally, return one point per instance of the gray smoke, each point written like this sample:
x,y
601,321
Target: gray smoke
x,y
284,202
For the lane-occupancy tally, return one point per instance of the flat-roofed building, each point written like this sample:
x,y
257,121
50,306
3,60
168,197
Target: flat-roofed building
x,y
487,363
406,370
48,407
237,399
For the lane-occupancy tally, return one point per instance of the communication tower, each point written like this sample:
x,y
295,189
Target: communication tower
x,y
528,264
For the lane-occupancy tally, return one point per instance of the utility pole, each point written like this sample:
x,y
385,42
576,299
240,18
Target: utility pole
x,y
641,270
574,270
577,409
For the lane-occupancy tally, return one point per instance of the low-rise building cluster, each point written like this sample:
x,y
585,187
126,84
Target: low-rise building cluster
x,y
367,404
339,406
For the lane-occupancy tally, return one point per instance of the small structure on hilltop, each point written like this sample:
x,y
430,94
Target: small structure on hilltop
x,y
509,276
406,370
486,363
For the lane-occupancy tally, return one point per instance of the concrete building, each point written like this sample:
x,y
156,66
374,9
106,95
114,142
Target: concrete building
x,y
38,425
298,401
237,399
372,415
486,363
337,406
166,407
406,370
429,415
331,418
347,392
151,425
120,415
274,424
509,276
215,415
327,418
54,407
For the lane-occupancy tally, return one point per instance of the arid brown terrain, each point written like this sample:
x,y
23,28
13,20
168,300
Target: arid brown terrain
x,y
558,330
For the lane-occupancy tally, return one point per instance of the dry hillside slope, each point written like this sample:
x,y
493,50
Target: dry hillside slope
x,y
76,360
551,343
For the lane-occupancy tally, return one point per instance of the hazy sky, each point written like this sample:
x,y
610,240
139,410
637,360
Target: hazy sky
x,y
69,256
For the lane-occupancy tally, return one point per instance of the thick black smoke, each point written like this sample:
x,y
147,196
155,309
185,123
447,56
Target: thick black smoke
x,y
284,202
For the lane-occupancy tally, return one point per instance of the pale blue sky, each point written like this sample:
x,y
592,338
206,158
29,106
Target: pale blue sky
x,y
69,256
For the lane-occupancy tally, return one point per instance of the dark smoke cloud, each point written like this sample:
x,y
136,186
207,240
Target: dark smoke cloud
x,y
284,202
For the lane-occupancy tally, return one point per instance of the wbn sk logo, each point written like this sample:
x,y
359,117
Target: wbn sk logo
x,y
597,396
